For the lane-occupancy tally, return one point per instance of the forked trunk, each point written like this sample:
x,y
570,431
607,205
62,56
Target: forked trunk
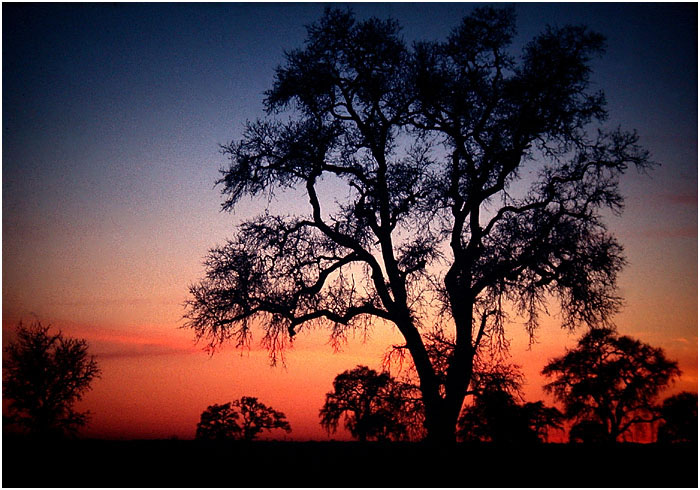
x,y
441,415
441,409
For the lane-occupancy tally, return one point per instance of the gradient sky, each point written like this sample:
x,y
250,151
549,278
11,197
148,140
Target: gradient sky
x,y
112,119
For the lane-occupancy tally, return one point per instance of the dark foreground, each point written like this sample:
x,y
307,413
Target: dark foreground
x,y
172,463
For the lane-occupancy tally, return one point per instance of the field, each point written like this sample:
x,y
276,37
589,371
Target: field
x,y
177,463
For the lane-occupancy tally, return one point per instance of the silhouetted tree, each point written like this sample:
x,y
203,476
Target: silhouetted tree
x,y
610,379
44,374
374,406
541,419
680,419
492,376
240,419
496,416
219,422
431,142
589,432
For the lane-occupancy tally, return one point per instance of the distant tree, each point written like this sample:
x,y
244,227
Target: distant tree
x,y
589,432
218,422
491,376
44,375
680,419
541,419
431,142
240,419
496,416
610,379
374,405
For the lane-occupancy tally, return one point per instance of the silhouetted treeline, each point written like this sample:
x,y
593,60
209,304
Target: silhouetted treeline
x,y
609,384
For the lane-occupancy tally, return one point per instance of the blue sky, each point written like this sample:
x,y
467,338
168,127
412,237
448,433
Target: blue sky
x,y
126,104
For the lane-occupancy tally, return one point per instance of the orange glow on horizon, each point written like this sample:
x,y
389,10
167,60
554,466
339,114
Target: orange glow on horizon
x,y
157,382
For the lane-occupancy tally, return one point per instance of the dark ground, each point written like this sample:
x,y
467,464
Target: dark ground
x,y
173,463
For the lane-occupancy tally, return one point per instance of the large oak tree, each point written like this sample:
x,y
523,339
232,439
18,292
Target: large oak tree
x,y
475,180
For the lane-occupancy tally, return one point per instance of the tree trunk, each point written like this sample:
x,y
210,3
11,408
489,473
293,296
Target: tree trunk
x,y
441,412
440,423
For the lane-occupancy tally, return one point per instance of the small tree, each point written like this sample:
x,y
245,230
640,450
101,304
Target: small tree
x,y
493,417
44,374
375,405
541,419
218,422
495,414
589,432
611,380
680,419
240,419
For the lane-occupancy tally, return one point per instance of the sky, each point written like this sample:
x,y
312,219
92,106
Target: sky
x,y
113,116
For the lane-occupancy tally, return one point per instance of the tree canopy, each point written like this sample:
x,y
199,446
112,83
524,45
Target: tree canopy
x,y
610,381
438,231
374,406
240,419
44,375
218,422
495,414
679,414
